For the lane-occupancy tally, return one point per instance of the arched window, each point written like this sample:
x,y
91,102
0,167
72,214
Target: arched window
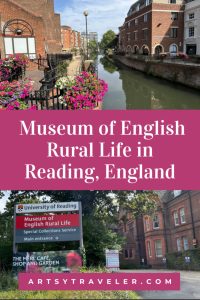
x,y
145,50
135,49
159,49
173,49
19,38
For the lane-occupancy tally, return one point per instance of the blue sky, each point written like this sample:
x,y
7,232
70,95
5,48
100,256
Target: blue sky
x,y
103,15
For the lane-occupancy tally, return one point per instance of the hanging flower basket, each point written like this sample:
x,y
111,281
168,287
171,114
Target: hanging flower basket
x,y
84,91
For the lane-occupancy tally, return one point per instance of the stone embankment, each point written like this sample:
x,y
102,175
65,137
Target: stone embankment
x,y
184,73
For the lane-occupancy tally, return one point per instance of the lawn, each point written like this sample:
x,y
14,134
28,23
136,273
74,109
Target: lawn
x,y
15,294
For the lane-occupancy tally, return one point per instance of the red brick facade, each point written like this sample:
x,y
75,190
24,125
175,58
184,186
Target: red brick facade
x,y
154,28
179,225
40,17
70,38
175,227
66,34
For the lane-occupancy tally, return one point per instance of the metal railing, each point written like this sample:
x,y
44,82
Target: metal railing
x,y
46,100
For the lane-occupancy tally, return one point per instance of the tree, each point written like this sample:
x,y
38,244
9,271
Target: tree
x,y
108,40
93,47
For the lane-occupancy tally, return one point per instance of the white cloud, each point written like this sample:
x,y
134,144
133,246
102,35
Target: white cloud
x,y
103,15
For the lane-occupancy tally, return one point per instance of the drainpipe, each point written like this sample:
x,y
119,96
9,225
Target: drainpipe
x,y
192,217
165,230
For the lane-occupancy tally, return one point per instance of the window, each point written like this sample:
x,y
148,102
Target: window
x,y
156,222
174,32
185,244
191,16
177,193
130,253
172,1
145,17
191,31
126,253
182,215
149,249
147,2
135,35
158,248
176,218
146,223
173,49
129,24
136,22
174,16
145,34
179,246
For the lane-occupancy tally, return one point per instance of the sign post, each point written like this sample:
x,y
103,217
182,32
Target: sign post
x,y
112,260
47,222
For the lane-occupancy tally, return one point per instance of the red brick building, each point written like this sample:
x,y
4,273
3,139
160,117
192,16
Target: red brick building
x,y
134,248
66,35
152,27
70,38
175,227
31,28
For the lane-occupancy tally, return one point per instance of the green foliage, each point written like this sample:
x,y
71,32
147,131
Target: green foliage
x,y
108,65
93,47
61,70
139,203
7,281
97,238
177,260
68,295
108,40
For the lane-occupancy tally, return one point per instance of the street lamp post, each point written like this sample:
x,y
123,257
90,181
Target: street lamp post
x,y
86,23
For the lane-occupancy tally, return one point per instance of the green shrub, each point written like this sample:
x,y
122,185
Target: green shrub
x,y
7,281
61,70
177,260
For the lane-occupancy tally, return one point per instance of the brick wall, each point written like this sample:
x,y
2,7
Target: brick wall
x,y
45,9
66,33
10,11
152,24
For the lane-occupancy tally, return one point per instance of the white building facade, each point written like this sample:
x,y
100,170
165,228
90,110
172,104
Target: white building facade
x,y
192,27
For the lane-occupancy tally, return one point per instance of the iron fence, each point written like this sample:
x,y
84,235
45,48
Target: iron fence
x,y
46,100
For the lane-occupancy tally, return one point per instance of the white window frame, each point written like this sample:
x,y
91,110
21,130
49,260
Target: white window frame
x,y
158,222
182,215
176,218
191,14
185,243
189,31
158,251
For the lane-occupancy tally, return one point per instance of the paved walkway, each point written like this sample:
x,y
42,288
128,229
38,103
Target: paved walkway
x,y
190,286
74,66
36,76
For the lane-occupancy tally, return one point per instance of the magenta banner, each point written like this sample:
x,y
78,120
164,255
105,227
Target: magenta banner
x,y
100,282
81,150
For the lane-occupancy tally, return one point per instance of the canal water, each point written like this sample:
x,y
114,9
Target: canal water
x,y
130,89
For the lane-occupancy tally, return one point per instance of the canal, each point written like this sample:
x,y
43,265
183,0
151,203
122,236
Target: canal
x,y
130,89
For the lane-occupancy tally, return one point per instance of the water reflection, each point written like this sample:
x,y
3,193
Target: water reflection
x,y
130,89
